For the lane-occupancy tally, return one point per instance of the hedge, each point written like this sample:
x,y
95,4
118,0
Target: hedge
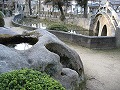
x,y
28,79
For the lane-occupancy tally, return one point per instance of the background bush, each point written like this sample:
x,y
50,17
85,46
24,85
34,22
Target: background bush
x,y
2,22
27,79
2,14
58,27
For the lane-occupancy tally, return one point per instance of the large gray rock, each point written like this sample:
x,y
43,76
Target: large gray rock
x,y
49,54
6,31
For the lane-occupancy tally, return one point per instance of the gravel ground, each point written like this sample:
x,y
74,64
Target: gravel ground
x,y
102,67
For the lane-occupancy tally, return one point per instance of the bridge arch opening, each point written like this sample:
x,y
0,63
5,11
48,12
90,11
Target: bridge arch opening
x,y
104,31
97,28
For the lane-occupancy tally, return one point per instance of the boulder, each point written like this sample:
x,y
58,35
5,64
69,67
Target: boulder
x,y
48,54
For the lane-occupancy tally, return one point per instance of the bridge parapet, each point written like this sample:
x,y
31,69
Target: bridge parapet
x,y
108,9
105,22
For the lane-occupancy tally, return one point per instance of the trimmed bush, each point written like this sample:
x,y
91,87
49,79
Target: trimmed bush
x,y
58,27
27,79
2,14
2,22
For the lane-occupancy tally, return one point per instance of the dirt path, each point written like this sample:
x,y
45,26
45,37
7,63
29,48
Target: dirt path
x,y
102,67
8,24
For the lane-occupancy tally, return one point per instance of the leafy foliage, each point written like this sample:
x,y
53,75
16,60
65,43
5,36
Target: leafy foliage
x,y
59,3
59,27
2,22
27,79
1,14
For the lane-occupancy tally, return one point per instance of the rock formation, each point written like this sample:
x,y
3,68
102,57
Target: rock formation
x,y
48,54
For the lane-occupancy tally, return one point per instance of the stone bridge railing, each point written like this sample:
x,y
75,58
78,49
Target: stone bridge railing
x,y
113,16
92,42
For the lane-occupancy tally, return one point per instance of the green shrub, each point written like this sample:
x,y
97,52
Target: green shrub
x,y
58,27
2,14
27,79
2,22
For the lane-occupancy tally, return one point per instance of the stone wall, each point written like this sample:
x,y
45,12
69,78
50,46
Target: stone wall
x,y
83,22
117,35
92,42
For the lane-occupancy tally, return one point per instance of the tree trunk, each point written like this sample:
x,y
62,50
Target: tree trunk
x,y
39,10
3,6
30,7
66,8
84,4
85,10
62,17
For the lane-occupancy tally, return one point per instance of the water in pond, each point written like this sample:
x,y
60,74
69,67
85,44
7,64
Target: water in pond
x,y
83,32
38,25
33,23
22,46
19,42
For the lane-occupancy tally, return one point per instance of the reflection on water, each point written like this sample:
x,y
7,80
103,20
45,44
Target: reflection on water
x,y
72,31
22,46
83,32
38,25
33,23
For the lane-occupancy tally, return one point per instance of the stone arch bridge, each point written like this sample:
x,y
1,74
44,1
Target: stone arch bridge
x,y
105,22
